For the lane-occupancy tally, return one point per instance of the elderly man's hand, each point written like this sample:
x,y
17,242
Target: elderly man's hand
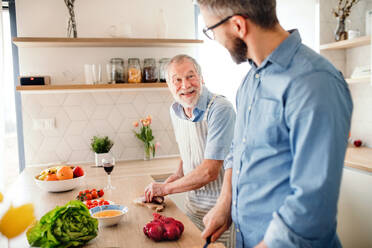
x,y
155,189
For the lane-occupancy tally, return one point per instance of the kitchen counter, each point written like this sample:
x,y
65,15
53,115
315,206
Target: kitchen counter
x,y
130,179
359,158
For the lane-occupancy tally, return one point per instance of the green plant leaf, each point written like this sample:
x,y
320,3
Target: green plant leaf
x,y
101,144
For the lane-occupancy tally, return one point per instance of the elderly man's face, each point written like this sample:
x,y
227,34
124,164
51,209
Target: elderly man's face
x,y
185,83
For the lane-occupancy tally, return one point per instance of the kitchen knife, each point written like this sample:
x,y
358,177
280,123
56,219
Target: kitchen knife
x,y
207,242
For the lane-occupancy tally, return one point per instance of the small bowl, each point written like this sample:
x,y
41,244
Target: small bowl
x,y
59,185
109,221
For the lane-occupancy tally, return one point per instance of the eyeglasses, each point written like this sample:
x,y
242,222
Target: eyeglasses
x,y
208,31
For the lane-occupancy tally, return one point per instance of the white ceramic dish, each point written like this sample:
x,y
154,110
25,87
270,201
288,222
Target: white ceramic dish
x,y
109,221
59,185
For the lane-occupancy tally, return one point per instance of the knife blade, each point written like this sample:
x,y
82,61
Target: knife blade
x,y
207,242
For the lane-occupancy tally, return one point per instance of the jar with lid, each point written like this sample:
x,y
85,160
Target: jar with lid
x,y
134,71
150,73
163,69
116,71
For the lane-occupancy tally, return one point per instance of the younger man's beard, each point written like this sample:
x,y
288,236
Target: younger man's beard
x,y
239,51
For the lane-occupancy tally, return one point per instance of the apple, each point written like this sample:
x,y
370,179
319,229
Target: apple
x,y
78,171
357,143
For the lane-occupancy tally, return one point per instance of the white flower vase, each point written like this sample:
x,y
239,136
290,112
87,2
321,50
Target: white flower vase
x,y
100,156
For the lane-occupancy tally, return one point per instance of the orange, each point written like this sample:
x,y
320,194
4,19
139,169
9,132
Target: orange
x,y
64,173
51,177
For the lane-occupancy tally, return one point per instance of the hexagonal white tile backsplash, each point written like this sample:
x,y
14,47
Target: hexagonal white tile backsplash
x,y
80,116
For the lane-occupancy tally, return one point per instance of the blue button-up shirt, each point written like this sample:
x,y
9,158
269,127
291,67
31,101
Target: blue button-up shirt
x,y
293,120
220,120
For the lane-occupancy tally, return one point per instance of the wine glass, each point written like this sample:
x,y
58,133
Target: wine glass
x,y
108,166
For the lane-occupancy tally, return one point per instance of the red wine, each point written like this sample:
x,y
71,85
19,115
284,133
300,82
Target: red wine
x,y
108,168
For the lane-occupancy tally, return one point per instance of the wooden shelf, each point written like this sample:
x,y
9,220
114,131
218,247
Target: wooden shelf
x,y
359,41
82,87
358,80
102,42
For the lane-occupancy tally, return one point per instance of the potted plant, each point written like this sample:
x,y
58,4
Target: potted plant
x,y
101,147
145,135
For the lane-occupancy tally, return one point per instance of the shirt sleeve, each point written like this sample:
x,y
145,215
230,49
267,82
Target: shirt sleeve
x,y
318,113
221,122
228,163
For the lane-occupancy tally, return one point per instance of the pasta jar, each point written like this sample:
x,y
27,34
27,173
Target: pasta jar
x,y
117,71
163,69
150,73
134,71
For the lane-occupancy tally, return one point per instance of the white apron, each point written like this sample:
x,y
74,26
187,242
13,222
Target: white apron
x,y
192,138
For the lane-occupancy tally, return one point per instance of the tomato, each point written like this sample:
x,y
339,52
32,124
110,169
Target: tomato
x,y
101,200
100,192
78,171
93,190
81,192
106,203
89,196
86,191
94,194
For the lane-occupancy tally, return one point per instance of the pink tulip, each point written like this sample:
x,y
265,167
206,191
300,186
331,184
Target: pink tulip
x,y
149,119
145,123
135,124
157,145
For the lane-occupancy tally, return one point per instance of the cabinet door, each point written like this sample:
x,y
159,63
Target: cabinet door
x,y
355,209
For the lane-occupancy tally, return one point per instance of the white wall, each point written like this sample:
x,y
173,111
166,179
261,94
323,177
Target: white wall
x,y
94,17
79,116
301,15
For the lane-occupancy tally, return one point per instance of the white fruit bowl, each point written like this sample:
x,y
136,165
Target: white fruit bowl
x,y
109,221
59,185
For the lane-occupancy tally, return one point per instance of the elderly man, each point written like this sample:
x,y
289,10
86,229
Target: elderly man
x,y
204,125
293,119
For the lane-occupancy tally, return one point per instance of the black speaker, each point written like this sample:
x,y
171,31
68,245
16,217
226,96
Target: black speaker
x,y
36,80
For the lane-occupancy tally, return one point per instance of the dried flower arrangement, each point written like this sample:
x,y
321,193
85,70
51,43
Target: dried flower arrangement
x,y
342,12
344,8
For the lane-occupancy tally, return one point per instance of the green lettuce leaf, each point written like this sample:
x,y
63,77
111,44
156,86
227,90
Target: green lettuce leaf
x,y
67,226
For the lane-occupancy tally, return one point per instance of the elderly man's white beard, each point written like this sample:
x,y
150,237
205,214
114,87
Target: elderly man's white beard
x,y
191,104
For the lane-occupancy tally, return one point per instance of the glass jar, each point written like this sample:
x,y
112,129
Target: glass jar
x,y
134,71
150,73
117,71
163,69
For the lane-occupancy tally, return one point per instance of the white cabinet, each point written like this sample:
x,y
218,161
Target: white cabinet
x,y
355,209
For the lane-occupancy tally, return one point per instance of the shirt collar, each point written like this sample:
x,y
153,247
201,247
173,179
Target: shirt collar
x,y
284,53
203,99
